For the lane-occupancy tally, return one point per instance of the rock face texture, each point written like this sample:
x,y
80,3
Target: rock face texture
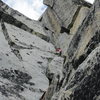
x,y
30,67
63,18
24,56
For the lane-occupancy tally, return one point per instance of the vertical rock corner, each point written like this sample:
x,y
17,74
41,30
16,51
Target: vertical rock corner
x,y
54,58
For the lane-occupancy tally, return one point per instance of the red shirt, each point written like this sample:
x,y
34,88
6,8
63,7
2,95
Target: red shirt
x,y
58,50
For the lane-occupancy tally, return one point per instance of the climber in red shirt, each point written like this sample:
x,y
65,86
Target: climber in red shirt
x,y
58,51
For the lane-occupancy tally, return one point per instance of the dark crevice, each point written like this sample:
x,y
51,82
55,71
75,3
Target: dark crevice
x,y
50,77
11,20
77,62
46,28
90,87
58,86
64,29
73,46
60,83
68,69
74,18
42,97
95,40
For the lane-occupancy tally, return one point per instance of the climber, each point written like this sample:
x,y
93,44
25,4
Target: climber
x,y
58,51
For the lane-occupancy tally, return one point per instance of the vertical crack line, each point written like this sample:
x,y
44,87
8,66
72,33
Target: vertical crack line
x,y
5,32
10,42
74,18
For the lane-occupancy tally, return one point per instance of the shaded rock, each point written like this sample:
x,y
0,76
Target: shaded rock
x,y
55,69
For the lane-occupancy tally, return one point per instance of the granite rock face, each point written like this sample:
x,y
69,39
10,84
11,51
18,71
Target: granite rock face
x,y
65,16
81,50
30,67
24,56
